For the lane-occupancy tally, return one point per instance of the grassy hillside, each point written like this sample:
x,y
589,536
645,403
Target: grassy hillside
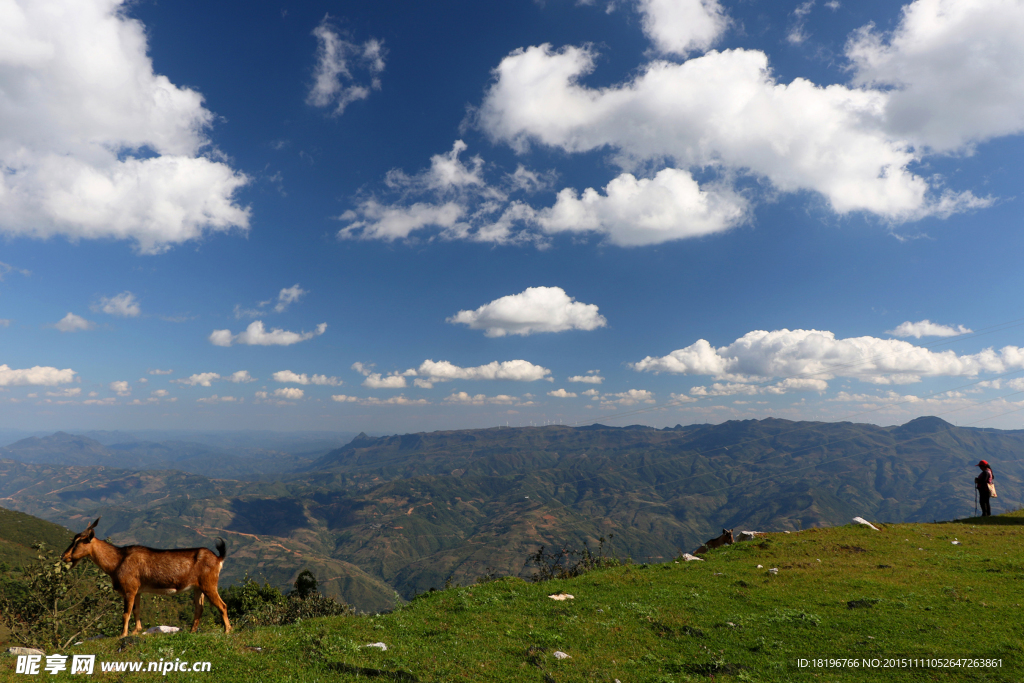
x,y
19,531
404,513
907,591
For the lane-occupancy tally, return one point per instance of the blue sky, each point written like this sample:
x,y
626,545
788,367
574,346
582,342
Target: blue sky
x,y
399,216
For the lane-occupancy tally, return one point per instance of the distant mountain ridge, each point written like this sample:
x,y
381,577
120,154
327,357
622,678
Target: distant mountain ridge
x,y
408,511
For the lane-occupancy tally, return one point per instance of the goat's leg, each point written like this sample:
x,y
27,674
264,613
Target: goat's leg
x,y
137,608
197,603
219,604
129,600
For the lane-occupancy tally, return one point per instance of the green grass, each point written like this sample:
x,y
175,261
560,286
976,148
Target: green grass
x,y
903,591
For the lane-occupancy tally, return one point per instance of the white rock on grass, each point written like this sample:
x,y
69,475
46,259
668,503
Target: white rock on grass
x,y
561,655
690,558
24,651
562,596
382,646
861,520
162,629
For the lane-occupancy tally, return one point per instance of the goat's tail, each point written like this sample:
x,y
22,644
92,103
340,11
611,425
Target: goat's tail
x,y
222,549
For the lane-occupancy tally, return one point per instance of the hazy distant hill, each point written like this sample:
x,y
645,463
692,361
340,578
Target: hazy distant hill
x,y
230,462
408,511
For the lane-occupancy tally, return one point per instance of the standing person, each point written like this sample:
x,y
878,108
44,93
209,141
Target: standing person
x,y
985,485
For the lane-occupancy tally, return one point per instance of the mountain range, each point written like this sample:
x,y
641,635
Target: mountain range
x,y
384,518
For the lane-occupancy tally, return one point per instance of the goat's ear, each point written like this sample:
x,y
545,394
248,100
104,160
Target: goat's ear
x,y
93,525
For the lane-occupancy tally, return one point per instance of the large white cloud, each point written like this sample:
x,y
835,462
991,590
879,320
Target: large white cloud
x,y
722,110
817,354
121,388
949,76
537,309
256,335
955,69
333,84
93,143
38,375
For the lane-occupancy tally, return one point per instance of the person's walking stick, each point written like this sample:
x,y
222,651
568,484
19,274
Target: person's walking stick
x,y
975,501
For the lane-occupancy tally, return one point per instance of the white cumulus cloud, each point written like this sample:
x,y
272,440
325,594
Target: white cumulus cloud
x,y
240,377
289,393
628,398
374,401
93,143
682,26
592,377
561,393
121,388
463,398
43,376
201,379
289,377
73,323
124,305
817,353
634,212
161,372
517,370
926,328
537,309
375,380
256,335
954,69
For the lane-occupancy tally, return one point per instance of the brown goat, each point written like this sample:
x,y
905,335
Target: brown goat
x,y
135,569
725,539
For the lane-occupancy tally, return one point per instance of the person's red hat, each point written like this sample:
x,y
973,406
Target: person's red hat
x,y
983,463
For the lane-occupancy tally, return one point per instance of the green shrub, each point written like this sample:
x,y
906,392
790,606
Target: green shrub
x,y
254,605
567,562
49,607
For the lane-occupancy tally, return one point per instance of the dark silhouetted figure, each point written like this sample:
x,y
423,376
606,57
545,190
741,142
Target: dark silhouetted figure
x,y
984,483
